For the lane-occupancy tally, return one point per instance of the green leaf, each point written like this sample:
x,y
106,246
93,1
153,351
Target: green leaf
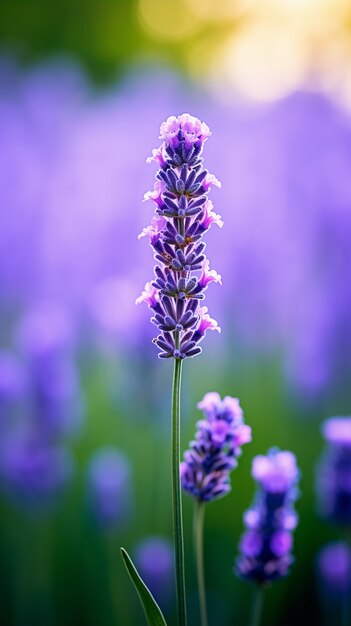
x,y
152,610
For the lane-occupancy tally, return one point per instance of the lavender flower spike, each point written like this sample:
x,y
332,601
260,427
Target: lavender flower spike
x,y
267,542
183,215
213,454
334,471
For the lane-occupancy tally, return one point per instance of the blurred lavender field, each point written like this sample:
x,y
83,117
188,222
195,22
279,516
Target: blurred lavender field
x,y
73,176
78,371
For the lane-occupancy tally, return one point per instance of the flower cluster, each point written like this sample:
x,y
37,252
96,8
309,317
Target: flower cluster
x,y
213,454
183,214
266,544
334,471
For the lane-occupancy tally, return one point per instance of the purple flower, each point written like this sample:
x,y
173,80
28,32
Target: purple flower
x,y
205,323
210,217
334,565
169,131
275,472
109,487
267,542
333,477
207,275
150,295
184,128
154,560
157,225
205,471
213,406
183,215
337,431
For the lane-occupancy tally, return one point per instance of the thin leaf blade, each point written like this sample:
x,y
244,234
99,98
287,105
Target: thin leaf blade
x,y
152,611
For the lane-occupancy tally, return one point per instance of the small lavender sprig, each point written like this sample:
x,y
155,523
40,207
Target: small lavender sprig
x,y
334,483
334,472
205,471
267,542
183,215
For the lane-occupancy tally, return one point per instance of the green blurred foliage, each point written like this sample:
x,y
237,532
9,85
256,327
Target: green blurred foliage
x,y
105,35
102,34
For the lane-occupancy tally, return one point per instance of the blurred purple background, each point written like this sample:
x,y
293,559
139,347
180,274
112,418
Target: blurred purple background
x,y
72,176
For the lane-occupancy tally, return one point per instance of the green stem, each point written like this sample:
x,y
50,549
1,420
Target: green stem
x,y
256,609
177,495
199,514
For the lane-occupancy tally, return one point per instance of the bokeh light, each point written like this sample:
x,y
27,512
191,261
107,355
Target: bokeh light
x,y
166,20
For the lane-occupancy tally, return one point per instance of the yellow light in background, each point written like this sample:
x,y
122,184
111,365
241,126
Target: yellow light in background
x,y
295,5
261,62
200,57
308,15
167,19
217,10
321,28
335,76
261,49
